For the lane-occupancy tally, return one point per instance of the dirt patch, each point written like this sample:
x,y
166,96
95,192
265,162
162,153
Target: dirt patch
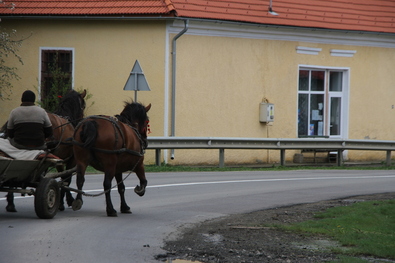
x,y
243,238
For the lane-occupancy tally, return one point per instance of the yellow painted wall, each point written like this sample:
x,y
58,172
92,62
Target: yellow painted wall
x,y
220,82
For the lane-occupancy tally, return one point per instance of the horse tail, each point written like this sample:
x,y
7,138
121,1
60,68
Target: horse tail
x,y
88,133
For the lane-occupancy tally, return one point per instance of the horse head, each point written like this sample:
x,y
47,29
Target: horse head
x,y
72,106
135,114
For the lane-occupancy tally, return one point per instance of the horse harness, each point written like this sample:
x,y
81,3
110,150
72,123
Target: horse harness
x,y
53,144
114,122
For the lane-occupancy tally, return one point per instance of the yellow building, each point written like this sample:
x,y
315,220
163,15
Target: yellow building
x,y
328,71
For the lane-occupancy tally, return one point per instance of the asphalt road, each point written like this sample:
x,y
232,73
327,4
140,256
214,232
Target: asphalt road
x,y
172,200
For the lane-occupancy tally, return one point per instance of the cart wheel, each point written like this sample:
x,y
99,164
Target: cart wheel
x,y
47,199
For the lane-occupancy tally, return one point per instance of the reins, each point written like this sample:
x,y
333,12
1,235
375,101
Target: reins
x,y
106,191
67,123
59,142
119,151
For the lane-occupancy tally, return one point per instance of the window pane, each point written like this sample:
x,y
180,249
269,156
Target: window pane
x,y
303,80
335,81
316,115
65,61
335,116
317,80
56,76
302,114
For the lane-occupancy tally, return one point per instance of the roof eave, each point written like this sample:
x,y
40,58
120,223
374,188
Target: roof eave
x,y
284,26
91,17
172,16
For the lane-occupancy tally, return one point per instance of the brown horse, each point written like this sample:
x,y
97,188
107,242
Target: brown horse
x,y
70,111
68,114
112,145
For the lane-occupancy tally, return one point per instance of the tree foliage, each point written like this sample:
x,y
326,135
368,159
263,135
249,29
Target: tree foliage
x,y
8,49
9,46
59,84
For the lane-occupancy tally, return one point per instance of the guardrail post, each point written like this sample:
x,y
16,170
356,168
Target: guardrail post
x,y
282,157
221,158
157,157
388,159
339,157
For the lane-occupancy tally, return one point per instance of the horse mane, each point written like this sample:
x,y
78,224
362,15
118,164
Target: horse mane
x,y
132,113
71,108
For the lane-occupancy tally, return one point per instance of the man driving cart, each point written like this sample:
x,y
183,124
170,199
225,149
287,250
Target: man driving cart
x,y
29,125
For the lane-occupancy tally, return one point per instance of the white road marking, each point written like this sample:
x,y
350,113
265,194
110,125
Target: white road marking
x,y
246,181
269,180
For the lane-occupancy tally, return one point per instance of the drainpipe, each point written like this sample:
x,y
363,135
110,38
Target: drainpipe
x,y
173,83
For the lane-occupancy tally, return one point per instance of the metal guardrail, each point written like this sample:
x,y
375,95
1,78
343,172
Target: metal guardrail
x,y
220,143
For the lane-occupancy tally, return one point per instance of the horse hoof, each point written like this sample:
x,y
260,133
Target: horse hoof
x,y
61,207
77,204
10,208
128,211
139,190
112,214
70,202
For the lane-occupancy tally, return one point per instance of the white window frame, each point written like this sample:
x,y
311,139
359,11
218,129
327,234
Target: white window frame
x,y
344,95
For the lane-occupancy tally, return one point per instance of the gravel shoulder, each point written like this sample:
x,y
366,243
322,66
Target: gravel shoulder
x,y
241,238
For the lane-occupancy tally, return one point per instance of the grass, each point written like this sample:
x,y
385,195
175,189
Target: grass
x,y
151,168
365,228
347,259
177,168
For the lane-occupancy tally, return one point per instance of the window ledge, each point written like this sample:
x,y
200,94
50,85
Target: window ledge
x,y
308,50
342,53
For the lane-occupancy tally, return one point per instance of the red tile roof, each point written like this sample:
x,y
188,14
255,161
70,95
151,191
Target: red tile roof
x,y
360,15
87,7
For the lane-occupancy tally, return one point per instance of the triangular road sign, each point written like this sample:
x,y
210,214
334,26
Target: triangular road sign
x,y
137,80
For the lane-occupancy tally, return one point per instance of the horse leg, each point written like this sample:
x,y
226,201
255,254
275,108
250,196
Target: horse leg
x,y
66,193
61,204
62,192
10,199
69,196
77,204
108,176
121,190
140,172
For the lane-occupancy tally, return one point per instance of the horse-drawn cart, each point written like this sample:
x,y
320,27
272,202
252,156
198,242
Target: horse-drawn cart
x,y
31,177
